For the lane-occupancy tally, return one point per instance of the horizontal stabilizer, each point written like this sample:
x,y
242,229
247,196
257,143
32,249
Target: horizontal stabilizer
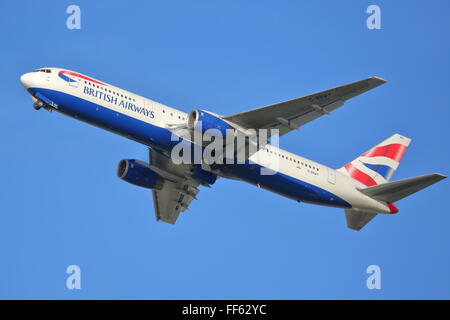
x,y
396,190
356,220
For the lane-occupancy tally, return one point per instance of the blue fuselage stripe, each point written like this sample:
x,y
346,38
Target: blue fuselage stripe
x,y
158,137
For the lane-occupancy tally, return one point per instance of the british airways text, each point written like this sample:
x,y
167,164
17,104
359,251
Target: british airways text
x,y
121,103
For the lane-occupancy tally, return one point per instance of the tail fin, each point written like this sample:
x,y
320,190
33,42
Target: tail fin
x,y
379,163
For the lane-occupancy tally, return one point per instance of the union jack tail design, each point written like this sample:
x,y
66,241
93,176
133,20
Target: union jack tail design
x,y
379,163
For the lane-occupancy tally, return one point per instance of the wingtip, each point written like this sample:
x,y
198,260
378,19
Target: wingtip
x,y
440,176
381,80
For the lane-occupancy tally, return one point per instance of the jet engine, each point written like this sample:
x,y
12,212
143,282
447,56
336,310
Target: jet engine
x,y
138,173
202,121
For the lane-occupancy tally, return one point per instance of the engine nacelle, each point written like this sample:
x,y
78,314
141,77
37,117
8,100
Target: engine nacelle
x,y
138,173
201,121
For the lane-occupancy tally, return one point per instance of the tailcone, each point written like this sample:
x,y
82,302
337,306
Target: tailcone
x,y
392,208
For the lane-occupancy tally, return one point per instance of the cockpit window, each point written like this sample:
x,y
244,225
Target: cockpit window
x,y
43,70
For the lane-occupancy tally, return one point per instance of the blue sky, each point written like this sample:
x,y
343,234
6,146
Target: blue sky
x,y
62,204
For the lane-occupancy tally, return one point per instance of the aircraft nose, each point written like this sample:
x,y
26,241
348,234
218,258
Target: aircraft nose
x,y
28,80
25,80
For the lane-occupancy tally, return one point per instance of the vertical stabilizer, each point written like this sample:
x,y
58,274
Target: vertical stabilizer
x,y
379,163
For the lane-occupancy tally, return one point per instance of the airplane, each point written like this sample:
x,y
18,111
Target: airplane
x,y
361,187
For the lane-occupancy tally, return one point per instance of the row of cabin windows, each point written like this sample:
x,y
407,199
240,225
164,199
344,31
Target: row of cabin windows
x,y
109,91
171,114
293,160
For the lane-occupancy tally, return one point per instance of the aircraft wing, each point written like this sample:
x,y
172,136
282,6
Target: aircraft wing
x,y
173,199
178,190
292,114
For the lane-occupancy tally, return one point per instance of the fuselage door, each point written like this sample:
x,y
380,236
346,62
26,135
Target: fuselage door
x,y
71,79
331,176
73,83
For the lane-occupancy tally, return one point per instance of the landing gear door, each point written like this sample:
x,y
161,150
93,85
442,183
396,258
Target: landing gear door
x,y
331,176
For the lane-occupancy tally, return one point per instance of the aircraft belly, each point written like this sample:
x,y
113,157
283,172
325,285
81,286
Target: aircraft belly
x,y
286,185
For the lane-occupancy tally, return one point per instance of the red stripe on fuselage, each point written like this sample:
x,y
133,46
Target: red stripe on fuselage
x,y
358,175
82,77
392,151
